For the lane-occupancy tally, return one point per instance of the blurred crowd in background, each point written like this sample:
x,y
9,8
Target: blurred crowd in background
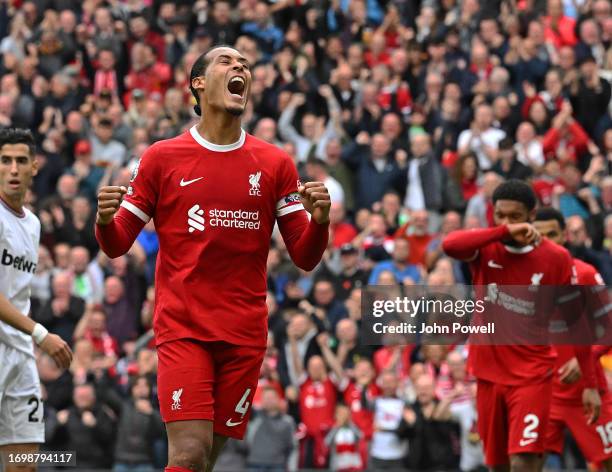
x,y
411,112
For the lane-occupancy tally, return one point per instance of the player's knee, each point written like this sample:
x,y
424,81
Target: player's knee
x,y
525,463
190,453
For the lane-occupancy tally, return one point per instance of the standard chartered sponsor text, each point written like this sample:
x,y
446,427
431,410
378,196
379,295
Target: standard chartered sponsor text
x,y
234,219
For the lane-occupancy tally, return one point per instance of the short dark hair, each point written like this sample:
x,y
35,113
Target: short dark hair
x,y
505,143
135,15
199,69
133,381
549,213
18,136
515,190
317,162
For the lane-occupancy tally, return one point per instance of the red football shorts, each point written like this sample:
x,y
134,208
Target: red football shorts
x,y
512,419
595,440
213,381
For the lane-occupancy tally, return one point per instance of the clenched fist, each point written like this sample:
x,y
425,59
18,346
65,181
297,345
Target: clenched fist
x,y
524,233
109,200
316,200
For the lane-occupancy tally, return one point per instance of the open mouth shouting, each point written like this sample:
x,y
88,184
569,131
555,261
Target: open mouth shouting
x,y
237,87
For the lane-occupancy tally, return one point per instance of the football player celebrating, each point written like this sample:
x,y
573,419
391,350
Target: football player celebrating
x,y
215,193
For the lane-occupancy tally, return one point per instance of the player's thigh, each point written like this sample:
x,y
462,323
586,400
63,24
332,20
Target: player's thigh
x,y
237,374
21,406
185,381
528,412
492,422
189,443
11,358
594,441
555,428
14,457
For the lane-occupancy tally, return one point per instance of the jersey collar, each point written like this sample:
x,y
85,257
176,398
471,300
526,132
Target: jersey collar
x,y
519,250
217,147
9,208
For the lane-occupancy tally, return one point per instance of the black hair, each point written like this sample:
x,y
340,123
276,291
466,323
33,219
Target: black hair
x,y
199,69
391,192
492,18
18,136
138,15
506,143
317,162
516,190
549,213
133,381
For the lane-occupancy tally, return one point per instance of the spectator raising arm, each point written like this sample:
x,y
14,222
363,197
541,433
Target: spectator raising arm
x,y
330,357
286,129
296,358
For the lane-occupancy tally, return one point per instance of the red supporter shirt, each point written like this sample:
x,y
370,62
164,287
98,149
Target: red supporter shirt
x,y
418,243
544,190
561,34
214,208
572,393
353,394
105,344
317,405
497,263
263,383
344,233
384,356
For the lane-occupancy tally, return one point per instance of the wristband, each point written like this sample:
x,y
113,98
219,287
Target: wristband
x,y
39,333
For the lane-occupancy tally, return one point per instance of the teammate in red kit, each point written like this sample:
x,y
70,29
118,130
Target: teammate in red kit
x,y
514,381
594,440
215,193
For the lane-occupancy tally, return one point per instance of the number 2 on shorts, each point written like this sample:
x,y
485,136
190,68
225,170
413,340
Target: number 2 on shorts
x,y
530,435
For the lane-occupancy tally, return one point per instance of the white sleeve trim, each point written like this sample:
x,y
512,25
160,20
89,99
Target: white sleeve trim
x,y
137,211
289,209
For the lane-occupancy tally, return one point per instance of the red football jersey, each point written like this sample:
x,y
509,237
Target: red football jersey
x,y
317,402
360,414
587,275
214,208
497,263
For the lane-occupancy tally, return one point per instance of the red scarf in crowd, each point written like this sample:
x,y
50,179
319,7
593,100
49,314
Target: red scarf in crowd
x,y
105,80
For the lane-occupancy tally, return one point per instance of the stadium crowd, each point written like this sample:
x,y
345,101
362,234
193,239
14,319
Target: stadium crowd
x,y
411,112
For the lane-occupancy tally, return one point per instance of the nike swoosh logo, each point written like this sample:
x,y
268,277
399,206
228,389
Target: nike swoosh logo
x,y
494,265
230,423
184,183
524,442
